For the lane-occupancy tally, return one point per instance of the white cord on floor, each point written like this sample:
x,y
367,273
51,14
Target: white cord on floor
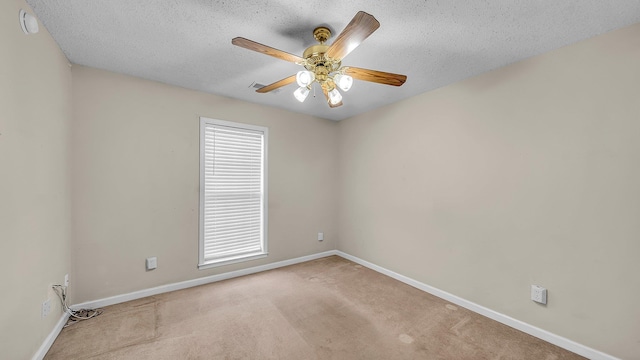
x,y
75,315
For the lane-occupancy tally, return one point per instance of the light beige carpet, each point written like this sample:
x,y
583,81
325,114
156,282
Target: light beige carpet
x,y
329,308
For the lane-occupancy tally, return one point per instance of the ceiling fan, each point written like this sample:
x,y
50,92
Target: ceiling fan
x,y
323,63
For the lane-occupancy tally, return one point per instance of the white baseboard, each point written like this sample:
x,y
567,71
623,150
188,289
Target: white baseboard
x,y
196,282
504,319
501,318
46,345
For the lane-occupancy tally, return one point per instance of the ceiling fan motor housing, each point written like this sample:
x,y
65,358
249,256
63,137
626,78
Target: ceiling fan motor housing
x,y
315,59
317,62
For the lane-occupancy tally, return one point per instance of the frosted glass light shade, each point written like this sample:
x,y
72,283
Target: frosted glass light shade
x,y
335,97
301,93
344,82
305,78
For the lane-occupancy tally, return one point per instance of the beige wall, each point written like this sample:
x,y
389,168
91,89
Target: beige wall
x,y
136,174
525,175
35,115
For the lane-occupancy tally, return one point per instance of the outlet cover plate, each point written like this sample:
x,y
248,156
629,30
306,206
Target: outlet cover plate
x,y
46,308
538,294
152,263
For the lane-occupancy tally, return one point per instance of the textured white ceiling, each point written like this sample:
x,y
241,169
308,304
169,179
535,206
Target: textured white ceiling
x,y
188,42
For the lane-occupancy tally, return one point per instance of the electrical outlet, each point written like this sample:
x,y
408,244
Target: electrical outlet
x,y
152,263
320,236
66,280
538,294
46,308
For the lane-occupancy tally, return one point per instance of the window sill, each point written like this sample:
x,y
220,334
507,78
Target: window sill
x,y
232,260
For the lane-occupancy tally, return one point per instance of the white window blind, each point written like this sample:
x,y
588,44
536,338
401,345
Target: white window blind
x,y
232,192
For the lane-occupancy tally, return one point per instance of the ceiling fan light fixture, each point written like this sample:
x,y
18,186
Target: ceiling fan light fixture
x,y
344,82
335,97
301,93
305,78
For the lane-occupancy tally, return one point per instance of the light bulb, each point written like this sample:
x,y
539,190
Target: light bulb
x,y
344,82
301,93
305,78
335,97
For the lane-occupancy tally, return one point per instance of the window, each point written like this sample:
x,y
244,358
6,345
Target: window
x,y
233,192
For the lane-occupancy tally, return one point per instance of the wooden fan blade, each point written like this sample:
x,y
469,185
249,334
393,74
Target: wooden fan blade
x,y
277,84
252,45
361,26
375,76
326,94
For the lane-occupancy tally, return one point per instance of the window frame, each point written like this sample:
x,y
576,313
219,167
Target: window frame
x,y
202,263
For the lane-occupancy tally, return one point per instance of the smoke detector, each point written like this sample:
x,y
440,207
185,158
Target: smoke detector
x,y
28,22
